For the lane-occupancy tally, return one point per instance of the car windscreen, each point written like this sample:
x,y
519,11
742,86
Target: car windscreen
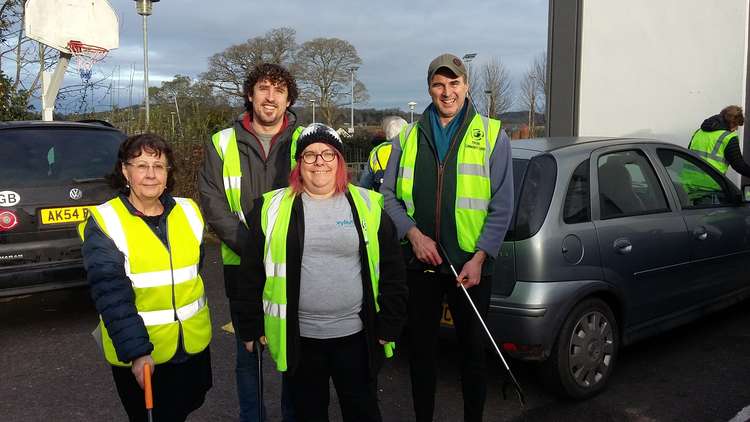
x,y
50,156
534,184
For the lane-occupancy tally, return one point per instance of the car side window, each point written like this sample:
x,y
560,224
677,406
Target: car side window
x,y
695,184
577,208
628,185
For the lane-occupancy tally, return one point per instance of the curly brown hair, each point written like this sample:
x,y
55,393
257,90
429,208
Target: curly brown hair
x,y
733,116
274,73
133,147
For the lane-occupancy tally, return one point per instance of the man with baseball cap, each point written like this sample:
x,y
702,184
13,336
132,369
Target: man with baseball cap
x,y
449,183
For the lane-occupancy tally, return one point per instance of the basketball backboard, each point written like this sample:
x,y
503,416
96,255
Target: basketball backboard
x,y
57,22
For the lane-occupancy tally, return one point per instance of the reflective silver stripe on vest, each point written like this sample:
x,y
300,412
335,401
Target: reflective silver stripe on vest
x,y
487,149
409,203
166,316
115,231
715,151
406,172
278,270
232,182
192,216
274,309
165,277
473,170
473,204
273,211
224,136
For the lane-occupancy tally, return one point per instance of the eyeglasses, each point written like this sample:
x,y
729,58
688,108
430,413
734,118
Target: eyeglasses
x,y
142,168
310,157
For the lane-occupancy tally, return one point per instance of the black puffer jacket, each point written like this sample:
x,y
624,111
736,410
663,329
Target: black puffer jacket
x,y
732,152
245,298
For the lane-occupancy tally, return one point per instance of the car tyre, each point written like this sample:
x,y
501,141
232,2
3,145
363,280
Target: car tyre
x,y
584,354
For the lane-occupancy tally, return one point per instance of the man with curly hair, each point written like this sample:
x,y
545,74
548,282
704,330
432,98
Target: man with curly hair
x,y
241,163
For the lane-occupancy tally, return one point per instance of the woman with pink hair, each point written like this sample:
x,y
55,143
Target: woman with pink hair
x,y
326,285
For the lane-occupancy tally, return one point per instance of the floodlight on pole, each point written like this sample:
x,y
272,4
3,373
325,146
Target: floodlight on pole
x,y
411,105
468,57
352,69
312,101
144,9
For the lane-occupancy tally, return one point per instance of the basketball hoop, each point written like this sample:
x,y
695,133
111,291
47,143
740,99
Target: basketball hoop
x,y
86,56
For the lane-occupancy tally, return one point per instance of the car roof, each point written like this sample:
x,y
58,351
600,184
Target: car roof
x,y
550,144
26,124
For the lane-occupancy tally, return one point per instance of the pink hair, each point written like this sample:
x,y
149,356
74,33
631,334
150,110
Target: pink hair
x,y
342,176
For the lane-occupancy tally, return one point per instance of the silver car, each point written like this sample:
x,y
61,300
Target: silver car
x,y
613,240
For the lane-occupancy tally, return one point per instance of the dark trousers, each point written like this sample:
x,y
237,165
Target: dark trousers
x,y
343,359
426,292
178,389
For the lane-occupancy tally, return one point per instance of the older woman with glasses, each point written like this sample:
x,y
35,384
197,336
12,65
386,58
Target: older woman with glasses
x,y
142,251
326,285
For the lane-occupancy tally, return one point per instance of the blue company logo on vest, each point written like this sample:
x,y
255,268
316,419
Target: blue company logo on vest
x,y
344,223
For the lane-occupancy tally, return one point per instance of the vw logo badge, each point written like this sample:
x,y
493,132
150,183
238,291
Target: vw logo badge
x,y
75,194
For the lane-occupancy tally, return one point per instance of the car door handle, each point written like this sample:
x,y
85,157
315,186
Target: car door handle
x,y
700,233
623,246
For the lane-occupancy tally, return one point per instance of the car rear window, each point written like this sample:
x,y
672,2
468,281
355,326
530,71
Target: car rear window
x,y
51,156
534,183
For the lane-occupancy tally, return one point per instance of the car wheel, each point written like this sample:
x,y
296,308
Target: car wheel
x,y
583,357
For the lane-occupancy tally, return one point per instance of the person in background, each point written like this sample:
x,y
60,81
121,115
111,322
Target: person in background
x,y
449,183
142,252
717,142
241,163
372,176
325,283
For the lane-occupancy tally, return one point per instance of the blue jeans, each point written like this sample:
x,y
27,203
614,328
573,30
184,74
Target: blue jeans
x,y
247,388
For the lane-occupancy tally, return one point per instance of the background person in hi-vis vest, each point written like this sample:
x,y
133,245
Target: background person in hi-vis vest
x,y
241,163
325,284
372,177
142,251
717,142
449,181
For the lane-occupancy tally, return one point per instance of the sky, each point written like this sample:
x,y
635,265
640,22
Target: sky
x,y
396,40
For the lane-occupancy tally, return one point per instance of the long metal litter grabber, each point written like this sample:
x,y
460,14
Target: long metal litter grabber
x,y
517,386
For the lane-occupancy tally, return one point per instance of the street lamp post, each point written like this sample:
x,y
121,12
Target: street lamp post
x,y
468,57
353,69
488,93
411,105
312,101
144,9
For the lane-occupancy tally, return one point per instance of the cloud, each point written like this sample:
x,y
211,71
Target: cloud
x,y
395,39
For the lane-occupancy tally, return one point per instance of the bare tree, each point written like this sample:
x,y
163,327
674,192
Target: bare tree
x,y
227,70
540,70
493,88
324,74
534,87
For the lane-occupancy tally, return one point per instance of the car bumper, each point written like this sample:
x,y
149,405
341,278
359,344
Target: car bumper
x,y
32,278
525,324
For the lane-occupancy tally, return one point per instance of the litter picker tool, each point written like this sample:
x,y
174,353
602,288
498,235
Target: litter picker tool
x,y
259,352
147,392
517,386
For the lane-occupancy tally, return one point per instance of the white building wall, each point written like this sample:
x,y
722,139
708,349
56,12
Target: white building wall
x,y
657,68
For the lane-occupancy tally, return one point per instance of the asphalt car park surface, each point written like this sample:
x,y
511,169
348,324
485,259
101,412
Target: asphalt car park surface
x,y
50,370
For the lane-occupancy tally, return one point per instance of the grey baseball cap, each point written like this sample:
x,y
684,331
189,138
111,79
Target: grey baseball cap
x,y
448,61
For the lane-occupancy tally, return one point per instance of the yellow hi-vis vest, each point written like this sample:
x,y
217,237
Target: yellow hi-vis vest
x,y
275,217
379,157
225,143
157,274
710,146
473,185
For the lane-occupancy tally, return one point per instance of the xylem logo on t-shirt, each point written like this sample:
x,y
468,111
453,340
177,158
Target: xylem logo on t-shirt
x,y
344,223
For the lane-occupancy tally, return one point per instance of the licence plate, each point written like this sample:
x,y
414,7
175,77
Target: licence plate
x,y
446,319
63,215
